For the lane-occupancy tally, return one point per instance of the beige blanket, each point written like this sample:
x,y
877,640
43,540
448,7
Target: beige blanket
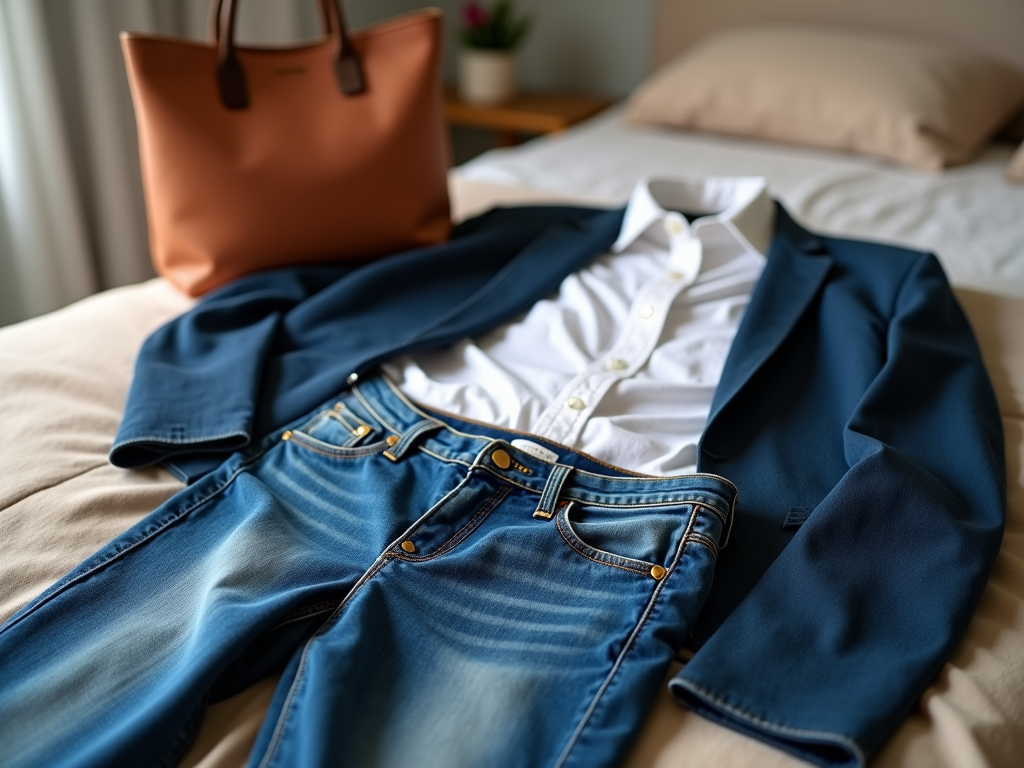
x,y
63,381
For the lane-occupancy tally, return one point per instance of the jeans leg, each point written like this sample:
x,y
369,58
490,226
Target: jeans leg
x,y
111,665
499,638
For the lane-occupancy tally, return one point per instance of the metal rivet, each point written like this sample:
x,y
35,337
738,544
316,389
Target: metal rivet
x,y
362,429
657,573
501,459
391,439
646,311
617,364
287,435
352,378
408,546
575,403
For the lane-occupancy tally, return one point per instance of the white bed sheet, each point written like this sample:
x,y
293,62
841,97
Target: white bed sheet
x,y
970,216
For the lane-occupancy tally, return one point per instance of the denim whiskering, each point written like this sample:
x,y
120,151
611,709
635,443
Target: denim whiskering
x,y
435,596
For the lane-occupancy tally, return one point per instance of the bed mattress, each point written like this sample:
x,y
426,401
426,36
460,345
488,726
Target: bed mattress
x,y
64,377
969,216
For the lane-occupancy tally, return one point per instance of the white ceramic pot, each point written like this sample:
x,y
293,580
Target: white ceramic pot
x,y
486,77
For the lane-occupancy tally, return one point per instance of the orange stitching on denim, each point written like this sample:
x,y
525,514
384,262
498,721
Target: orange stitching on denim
x,y
286,708
472,524
383,422
630,641
558,525
446,459
301,438
441,412
704,541
305,613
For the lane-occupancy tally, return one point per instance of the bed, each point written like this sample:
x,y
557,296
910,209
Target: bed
x,y
64,378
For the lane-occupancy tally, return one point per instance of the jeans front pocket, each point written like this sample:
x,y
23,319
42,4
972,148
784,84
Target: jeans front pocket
x,y
639,539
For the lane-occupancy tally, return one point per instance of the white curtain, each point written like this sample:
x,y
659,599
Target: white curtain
x,y
72,218
44,251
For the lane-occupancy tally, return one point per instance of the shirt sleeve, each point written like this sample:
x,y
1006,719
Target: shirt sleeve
x,y
838,640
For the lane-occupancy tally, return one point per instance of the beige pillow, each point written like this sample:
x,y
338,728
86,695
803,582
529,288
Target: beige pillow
x,y
912,102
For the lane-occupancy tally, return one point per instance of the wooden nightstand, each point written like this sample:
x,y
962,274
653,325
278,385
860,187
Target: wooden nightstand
x,y
529,113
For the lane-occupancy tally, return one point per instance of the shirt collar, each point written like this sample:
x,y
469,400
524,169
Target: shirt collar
x,y
741,204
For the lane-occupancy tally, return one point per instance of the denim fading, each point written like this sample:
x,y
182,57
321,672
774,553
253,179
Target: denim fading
x,y
504,638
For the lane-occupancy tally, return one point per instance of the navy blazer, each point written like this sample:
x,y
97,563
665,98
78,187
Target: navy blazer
x,y
854,414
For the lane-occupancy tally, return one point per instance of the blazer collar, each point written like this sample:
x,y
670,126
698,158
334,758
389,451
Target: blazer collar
x,y
797,265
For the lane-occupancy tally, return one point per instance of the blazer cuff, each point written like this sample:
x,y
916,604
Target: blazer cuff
x,y
134,451
830,750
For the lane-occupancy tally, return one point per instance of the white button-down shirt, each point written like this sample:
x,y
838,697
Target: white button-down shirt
x,y
622,363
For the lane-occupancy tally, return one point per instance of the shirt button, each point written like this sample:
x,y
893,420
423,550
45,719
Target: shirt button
x,y
646,311
575,403
617,364
674,226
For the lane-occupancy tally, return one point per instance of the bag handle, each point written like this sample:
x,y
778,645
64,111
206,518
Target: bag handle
x,y
213,22
234,93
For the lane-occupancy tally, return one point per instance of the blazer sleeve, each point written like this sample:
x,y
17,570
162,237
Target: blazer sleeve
x,y
197,379
838,640
264,350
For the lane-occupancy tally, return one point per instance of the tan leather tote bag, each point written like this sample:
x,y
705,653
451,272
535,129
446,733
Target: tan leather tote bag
x,y
260,158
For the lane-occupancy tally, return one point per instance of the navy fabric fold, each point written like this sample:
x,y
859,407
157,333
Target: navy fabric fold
x,y
263,350
854,414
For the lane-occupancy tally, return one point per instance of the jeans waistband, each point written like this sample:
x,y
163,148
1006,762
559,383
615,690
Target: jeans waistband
x,y
492,449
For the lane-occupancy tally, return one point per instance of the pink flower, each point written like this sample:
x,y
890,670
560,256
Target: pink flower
x,y
473,14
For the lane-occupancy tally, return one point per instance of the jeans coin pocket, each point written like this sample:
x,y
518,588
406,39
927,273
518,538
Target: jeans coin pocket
x,y
341,429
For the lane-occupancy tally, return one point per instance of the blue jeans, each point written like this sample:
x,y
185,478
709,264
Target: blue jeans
x,y
435,595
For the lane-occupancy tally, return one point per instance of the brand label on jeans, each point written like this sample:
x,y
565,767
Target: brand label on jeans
x,y
535,450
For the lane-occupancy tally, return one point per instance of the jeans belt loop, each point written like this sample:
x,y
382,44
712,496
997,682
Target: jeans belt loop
x,y
724,538
405,442
552,490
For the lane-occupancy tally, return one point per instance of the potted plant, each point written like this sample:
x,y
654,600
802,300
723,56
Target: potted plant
x,y
487,60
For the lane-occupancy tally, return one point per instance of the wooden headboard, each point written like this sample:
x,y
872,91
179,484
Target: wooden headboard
x,y
995,27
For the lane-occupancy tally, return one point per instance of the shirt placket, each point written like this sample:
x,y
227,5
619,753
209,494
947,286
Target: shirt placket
x,y
564,420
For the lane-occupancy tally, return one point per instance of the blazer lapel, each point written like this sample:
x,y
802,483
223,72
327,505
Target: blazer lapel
x,y
796,267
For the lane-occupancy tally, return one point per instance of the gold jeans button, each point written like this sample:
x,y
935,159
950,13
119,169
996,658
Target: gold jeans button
x,y
501,459
657,573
